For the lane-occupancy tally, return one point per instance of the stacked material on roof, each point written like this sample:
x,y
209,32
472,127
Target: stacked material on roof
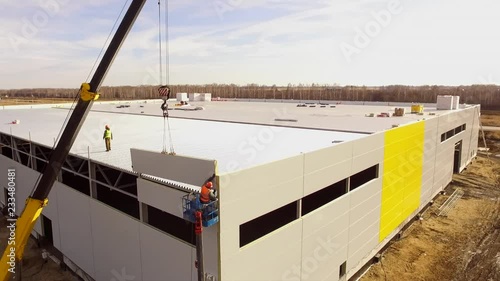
x,y
444,103
182,97
456,102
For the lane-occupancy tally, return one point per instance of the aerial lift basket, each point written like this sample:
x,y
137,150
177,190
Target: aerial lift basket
x,y
191,203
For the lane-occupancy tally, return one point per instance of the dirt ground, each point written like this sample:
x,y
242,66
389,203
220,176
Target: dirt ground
x,y
490,118
465,245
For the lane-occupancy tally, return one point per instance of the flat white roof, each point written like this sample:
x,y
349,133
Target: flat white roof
x,y
234,145
347,116
237,134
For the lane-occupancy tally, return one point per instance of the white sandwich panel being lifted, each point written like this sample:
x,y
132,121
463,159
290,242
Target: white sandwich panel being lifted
x,y
182,169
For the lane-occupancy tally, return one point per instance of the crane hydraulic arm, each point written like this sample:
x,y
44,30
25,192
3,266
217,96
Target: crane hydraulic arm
x,y
38,200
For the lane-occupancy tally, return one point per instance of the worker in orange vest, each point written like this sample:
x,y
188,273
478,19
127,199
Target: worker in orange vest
x,y
207,193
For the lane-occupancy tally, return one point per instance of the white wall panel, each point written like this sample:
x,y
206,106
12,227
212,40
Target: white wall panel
x,y
359,219
273,258
325,238
368,144
328,215
367,242
164,257
25,181
426,194
161,197
116,243
333,276
320,159
211,250
322,255
362,244
364,199
364,221
431,139
367,160
320,179
327,166
75,228
37,227
272,185
444,166
470,138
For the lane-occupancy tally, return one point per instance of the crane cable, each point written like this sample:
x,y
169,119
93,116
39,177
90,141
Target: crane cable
x,y
164,90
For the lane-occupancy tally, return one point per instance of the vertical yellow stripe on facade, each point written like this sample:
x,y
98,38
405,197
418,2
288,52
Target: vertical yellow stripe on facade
x,y
402,176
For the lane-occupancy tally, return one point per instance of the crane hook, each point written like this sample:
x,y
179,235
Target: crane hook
x,y
164,92
164,108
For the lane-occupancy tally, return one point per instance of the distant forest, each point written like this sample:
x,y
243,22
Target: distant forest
x,y
486,95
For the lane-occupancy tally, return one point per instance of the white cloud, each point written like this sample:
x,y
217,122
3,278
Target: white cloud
x,y
446,42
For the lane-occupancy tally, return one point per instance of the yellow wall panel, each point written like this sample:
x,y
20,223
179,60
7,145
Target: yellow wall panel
x,y
402,175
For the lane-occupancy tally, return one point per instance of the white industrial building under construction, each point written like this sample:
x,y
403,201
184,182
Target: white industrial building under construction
x,y
306,191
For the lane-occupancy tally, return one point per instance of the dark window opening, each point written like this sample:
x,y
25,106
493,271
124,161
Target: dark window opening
x,y
452,132
118,200
265,224
449,134
171,224
76,182
47,230
7,152
324,196
457,157
363,177
343,269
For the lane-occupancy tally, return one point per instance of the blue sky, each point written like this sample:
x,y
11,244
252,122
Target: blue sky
x,y
54,43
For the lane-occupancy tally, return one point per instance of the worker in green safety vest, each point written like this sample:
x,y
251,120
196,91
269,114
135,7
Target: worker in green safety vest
x,y
108,136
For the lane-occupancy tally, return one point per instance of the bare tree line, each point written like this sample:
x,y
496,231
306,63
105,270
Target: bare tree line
x,y
486,95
